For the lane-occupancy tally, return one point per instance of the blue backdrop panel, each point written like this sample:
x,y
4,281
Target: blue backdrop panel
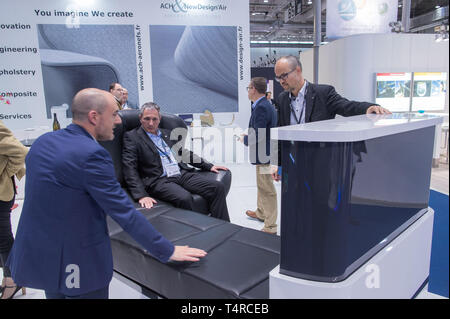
x,y
88,56
438,281
194,68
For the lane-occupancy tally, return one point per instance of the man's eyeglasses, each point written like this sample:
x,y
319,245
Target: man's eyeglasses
x,y
148,118
249,87
283,76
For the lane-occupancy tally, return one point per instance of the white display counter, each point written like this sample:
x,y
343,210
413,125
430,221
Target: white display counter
x,y
355,221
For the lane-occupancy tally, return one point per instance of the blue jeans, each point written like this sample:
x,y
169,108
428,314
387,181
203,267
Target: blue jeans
x,y
97,294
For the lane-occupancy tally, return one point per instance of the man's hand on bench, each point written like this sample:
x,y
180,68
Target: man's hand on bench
x,y
216,169
147,202
186,253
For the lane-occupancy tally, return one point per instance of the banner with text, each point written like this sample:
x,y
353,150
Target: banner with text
x,y
189,56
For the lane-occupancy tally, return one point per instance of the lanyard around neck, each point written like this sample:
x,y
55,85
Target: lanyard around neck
x,y
164,153
298,120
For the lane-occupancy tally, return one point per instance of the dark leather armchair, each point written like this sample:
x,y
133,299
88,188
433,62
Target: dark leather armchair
x,y
239,259
130,120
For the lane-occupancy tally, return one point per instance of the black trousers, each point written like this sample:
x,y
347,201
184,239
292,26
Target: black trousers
x,y
178,190
6,235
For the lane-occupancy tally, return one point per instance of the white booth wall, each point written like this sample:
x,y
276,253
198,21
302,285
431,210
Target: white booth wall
x,y
349,64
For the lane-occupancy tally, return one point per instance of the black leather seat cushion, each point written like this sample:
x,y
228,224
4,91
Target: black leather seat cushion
x,y
237,265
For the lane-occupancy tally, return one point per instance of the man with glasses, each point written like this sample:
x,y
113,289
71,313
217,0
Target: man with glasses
x,y
304,102
262,119
125,104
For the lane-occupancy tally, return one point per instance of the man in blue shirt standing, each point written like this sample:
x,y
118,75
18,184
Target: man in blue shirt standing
x,y
262,119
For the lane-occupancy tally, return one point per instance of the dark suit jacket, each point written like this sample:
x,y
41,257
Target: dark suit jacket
x,y
263,116
142,164
70,188
322,103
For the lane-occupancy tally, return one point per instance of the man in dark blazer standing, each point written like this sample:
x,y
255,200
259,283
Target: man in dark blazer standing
x,y
304,102
262,119
150,167
62,244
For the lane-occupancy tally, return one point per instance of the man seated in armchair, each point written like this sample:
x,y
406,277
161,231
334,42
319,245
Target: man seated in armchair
x,y
151,168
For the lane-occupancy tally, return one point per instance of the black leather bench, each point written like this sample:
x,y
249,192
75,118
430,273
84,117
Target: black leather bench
x,y
238,262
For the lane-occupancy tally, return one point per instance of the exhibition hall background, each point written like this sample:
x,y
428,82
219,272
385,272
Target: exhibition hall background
x,y
188,59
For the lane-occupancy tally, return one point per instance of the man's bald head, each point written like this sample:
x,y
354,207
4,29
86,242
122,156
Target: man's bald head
x,y
292,61
89,100
97,112
288,71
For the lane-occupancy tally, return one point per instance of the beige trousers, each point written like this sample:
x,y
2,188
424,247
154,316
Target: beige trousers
x,y
266,198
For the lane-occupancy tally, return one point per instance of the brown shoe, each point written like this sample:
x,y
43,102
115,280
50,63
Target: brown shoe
x,y
252,214
269,232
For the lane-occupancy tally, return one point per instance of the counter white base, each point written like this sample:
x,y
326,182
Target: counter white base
x,y
397,271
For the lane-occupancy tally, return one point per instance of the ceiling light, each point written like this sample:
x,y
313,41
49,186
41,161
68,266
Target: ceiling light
x,y
437,7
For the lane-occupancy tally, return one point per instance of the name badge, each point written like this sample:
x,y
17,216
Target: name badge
x,y
172,169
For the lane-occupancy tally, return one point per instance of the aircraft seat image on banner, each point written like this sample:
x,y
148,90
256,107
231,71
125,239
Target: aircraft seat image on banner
x,y
194,68
89,56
